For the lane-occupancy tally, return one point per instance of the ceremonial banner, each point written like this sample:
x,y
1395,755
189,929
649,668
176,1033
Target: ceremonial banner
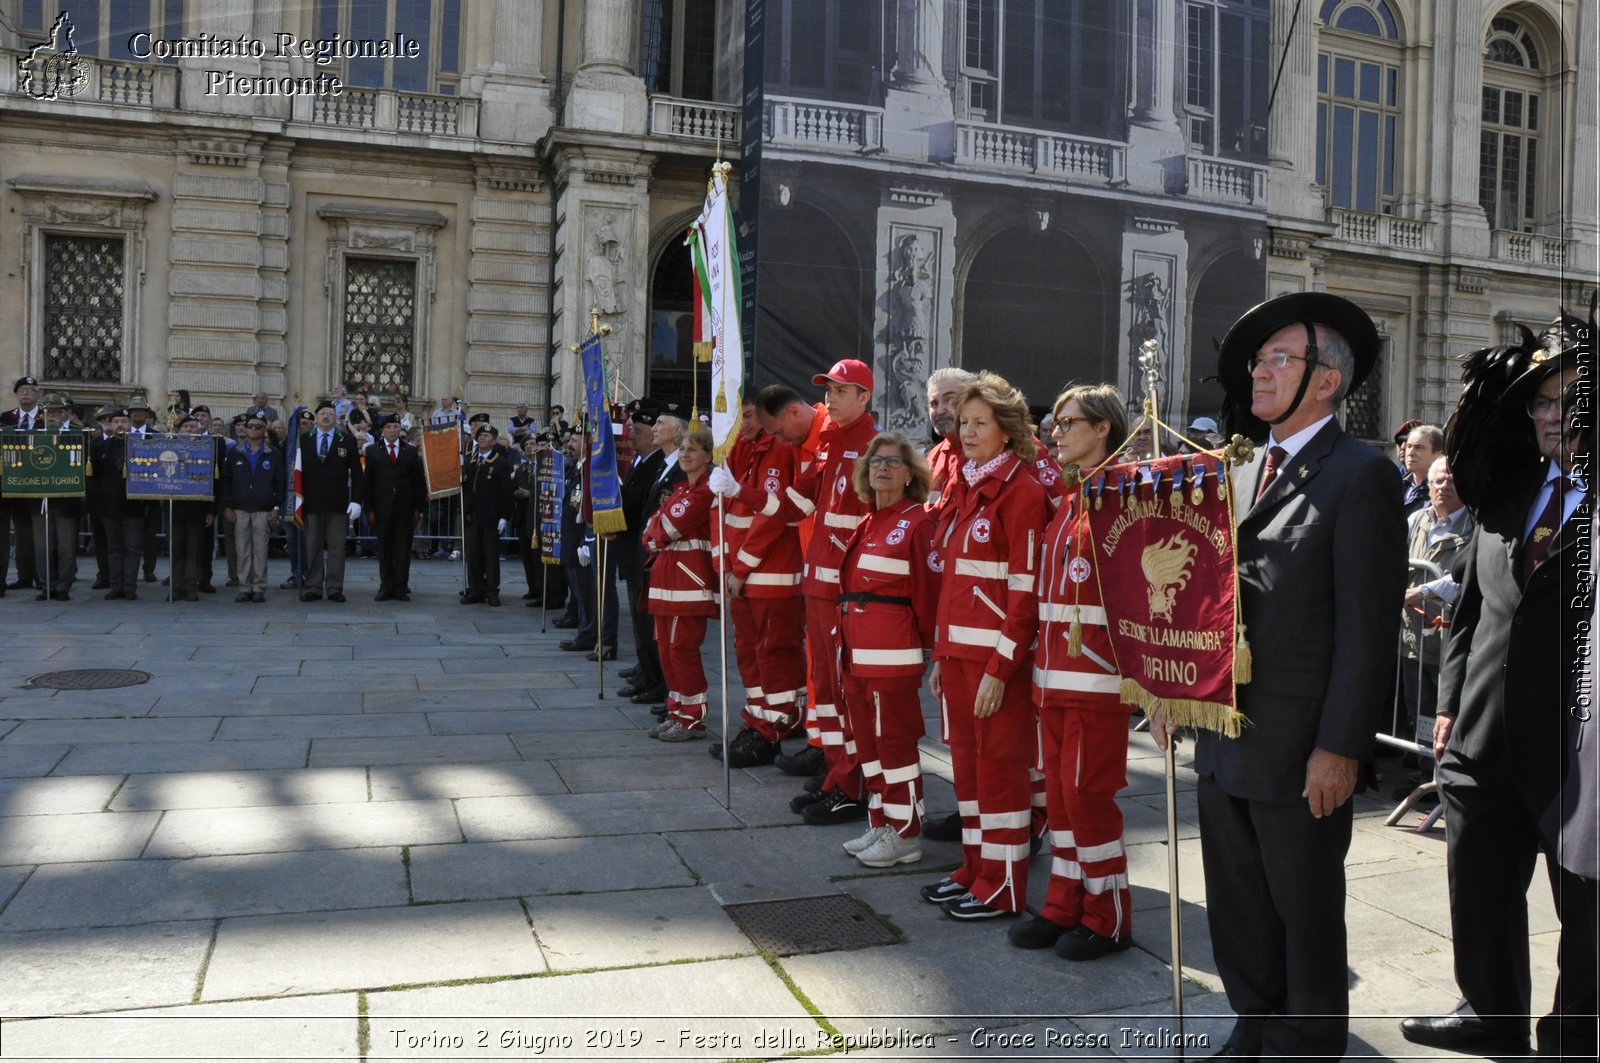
x,y
550,475
182,468
441,459
714,244
1163,540
296,502
604,493
43,464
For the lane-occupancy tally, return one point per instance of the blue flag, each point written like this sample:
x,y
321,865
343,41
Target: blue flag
x,y
605,492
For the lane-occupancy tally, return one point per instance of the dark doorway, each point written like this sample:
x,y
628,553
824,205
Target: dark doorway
x,y
670,366
815,301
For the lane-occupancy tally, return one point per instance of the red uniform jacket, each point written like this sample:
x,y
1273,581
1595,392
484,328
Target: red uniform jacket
x,y
989,544
682,582
1069,588
944,461
736,512
769,559
889,593
824,488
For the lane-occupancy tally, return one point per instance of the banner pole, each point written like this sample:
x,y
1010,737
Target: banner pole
x,y
722,646
544,592
49,570
172,573
600,617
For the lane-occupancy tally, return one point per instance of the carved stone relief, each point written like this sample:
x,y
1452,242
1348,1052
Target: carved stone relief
x,y
605,262
911,302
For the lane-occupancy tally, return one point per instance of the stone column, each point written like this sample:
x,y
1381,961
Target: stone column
x,y
919,45
1583,225
606,94
1154,294
919,114
1157,150
1292,127
914,310
515,95
1457,85
608,33
507,273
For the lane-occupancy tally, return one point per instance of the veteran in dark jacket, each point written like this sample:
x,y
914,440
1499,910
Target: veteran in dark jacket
x,y
122,518
331,482
251,491
486,505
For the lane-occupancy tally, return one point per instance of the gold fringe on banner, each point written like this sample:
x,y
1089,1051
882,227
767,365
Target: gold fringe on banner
x,y
703,350
1075,638
1185,712
1242,662
609,522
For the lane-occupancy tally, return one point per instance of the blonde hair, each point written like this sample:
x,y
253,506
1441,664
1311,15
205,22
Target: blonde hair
x,y
1010,411
921,477
700,437
1101,404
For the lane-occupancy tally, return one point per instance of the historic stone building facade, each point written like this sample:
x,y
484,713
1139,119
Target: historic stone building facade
x,y
1030,185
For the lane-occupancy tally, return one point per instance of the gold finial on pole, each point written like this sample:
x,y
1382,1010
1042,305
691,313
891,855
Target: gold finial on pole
x,y
595,327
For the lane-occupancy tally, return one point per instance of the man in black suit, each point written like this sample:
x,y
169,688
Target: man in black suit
x,y
123,519
16,515
1500,735
1321,555
330,484
395,495
486,502
648,463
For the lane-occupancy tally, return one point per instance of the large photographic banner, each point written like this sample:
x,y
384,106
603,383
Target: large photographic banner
x,y
182,468
550,477
43,464
441,459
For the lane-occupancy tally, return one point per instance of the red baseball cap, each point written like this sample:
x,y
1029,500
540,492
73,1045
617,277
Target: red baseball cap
x,y
847,371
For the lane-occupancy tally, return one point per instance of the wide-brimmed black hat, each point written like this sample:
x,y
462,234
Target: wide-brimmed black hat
x,y
1558,348
1318,308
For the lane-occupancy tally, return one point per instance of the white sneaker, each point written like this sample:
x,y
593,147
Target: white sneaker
x,y
656,729
677,732
862,843
891,849
455,555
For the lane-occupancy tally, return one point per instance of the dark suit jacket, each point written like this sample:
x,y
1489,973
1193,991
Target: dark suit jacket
x,y
636,490
332,483
1322,572
11,418
107,485
395,490
486,489
1506,675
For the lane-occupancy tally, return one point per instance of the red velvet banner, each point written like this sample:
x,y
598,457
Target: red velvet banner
x,y
1163,539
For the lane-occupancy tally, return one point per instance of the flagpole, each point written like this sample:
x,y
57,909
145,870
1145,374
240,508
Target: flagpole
x,y
600,616
172,582
722,647
49,570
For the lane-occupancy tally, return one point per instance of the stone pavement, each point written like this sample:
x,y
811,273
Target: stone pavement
x,y
404,832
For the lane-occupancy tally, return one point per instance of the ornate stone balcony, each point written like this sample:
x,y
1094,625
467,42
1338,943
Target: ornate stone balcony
x,y
995,147
1530,248
385,110
1381,230
694,119
1226,181
825,126
120,84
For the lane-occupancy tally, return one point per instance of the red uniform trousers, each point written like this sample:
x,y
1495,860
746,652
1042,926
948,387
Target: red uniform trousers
x,y
680,638
991,758
780,665
746,638
1086,759
838,743
886,718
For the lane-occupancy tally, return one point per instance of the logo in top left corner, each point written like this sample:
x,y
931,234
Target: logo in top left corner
x,y
55,69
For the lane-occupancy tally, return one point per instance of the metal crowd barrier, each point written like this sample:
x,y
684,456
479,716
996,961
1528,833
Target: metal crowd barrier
x,y
1422,743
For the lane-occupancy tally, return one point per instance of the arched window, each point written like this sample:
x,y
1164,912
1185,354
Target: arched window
x,y
1508,140
1358,104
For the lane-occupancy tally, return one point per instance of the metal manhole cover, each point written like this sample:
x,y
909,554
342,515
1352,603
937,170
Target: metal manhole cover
x,y
811,924
90,679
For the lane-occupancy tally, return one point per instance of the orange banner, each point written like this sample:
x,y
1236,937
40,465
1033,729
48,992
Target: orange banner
x,y
441,458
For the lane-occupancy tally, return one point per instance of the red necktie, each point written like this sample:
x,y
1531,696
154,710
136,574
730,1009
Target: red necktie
x,y
394,454
1276,456
1544,529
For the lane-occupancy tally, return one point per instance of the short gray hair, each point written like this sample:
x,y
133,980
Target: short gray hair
x,y
668,421
1432,433
941,379
1333,352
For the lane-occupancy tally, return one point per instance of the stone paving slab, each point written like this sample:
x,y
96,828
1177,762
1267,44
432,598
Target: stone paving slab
x,y
61,972
507,778
632,928
1148,875
357,675
343,752
485,870
129,892
363,949
232,789
731,1004
75,837
443,701
492,819
11,879
301,686
306,1029
98,759
73,705
407,650
56,795
343,725
683,766
88,732
302,828
746,865
195,700
29,761
620,745
319,652
495,689
528,721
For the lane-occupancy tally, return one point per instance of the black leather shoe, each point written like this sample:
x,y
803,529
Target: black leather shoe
x,y
629,691
336,597
577,645
100,585
1036,933
1081,943
942,828
747,750
382,596
493,598
474,598
652,696
206,588
563,622
403,596
311,596
242,596
606,653
1463,1032
658,711
806,762
801,802
112,596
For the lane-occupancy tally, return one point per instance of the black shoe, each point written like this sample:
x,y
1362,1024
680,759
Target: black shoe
x,y
42,596
813,785
629,691
1081,943
233,581
577,645
19,585
493,598
605,653
113,596
836,807
1463,1032
100,585
337,597
191,596
1036,933
655,695
61,596
968,908
166,581
563,622
402,596
747,750
808,761
243,596
659,711
946,889
206,588
630,673
801,802
130,596
258,597
382,596
942,828
311,596
473,598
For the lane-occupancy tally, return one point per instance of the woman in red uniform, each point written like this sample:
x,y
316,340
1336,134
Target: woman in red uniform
x,y
1083,724
683,589
988,540
888,595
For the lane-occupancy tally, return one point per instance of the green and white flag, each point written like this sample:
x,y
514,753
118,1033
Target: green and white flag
x,y
714,243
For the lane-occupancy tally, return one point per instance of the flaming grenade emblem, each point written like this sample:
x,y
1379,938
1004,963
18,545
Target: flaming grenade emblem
x,y
1166,565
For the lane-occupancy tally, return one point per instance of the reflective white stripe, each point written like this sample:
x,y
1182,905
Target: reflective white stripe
x,y
1063,868
1005,647
850,746
968,809
1085,682
782,697
669,527
687,571
662,595
689,544
1062,839
1105,883
825,711
847,521
1088,854
890,566
735,520
894,811
692,699
974,636
801,502
871,767
774,579
753,693
899,775
971,836
748,560
831,738
882,657
986,600
770,715
966,566
1002,820
826,575
1020,582
1066,613
772,505
991,851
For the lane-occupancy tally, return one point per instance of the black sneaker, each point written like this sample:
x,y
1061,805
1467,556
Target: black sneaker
x,y
968,909
836,807
747,750
1036,933
1081,943
946,889
801,802
808,761
942,828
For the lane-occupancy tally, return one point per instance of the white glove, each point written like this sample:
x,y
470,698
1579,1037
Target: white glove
x,y
584,556
353,511
723,483
501,527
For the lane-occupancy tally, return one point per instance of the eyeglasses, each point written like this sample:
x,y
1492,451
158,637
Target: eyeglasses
x,y
1064,424
1274,360
256,427
885,461
1540,405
